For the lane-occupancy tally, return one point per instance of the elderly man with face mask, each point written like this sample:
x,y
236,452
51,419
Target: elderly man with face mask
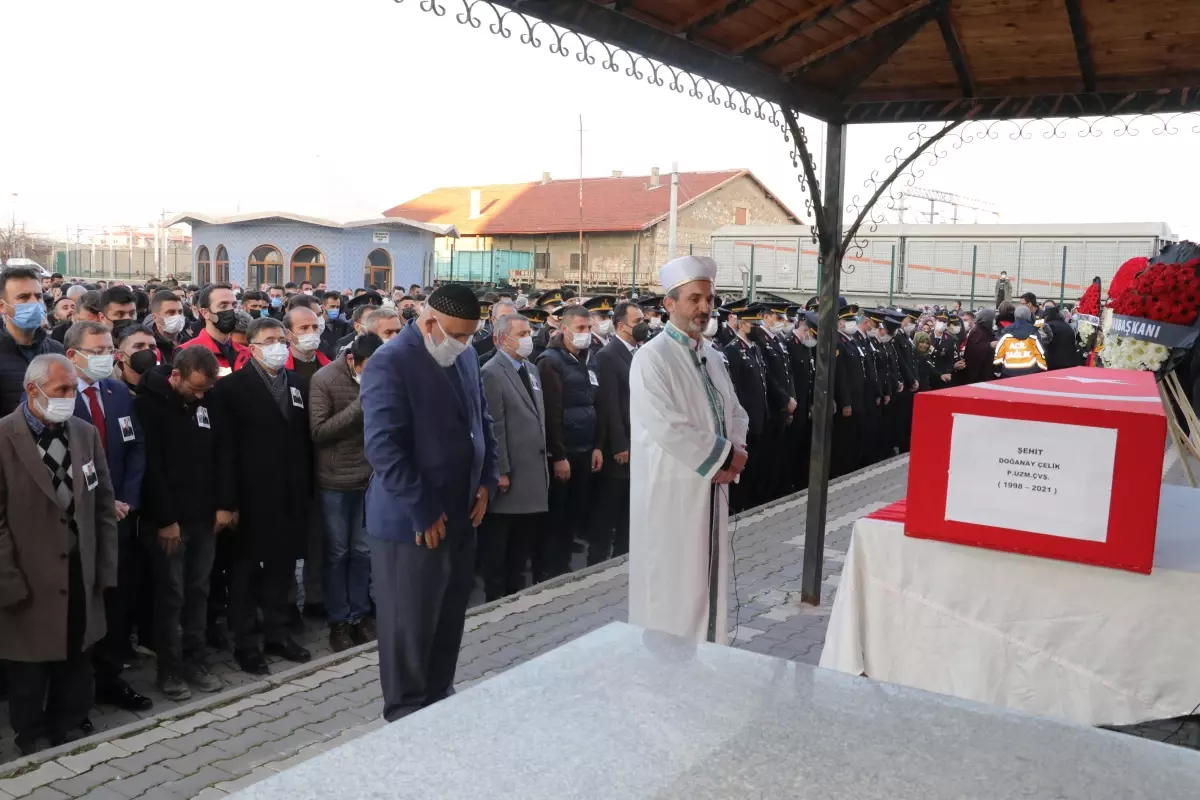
x,y
58,554
688,435
428,438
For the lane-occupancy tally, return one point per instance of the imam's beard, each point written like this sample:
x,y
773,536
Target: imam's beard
x,y
696,325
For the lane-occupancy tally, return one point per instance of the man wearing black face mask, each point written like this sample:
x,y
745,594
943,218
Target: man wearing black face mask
x,y
610,535
217,304
136,354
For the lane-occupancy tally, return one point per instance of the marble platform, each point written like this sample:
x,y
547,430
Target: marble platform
x,y
627,713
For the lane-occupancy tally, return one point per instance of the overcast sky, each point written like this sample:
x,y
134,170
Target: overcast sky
x,y
342,109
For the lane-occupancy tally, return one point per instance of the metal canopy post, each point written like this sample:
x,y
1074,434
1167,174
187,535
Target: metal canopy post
x,y
829,227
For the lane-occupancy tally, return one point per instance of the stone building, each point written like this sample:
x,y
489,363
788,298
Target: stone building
x,y
515,228
277,247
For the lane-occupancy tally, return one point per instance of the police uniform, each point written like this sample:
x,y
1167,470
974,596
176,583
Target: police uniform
x,y
601,308
906,354
880,447
804,379
749,376
849,389
944,352
775,476
652,308
548,302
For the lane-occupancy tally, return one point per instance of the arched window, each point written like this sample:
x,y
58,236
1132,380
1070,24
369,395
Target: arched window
x,y
308,264
222,265
266,266
378,269
203,267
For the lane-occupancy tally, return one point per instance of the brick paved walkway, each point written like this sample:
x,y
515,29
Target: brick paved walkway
x,y
220,743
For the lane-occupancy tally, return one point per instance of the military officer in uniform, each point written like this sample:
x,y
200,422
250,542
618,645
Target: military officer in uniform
x,y
601,308
944,350
749,377
873,393
801,345
881,445
781,399
548,301
906,353
652,310
849,389
537,319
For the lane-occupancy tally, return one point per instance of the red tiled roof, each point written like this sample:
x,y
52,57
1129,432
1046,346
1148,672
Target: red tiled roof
x,y
609,204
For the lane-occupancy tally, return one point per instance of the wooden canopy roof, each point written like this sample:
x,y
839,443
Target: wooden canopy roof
x,y
905,60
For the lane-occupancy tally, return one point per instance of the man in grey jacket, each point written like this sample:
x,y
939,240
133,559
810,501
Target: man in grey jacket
x,y
336,419
1003,288
514,521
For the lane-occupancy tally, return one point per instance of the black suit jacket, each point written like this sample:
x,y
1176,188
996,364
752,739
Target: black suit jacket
x,y
264,463
612,401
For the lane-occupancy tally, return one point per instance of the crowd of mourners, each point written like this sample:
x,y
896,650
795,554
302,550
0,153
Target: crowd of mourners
x,y
182,467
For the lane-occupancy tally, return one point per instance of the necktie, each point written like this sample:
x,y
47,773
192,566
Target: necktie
x,y
525,380
97,415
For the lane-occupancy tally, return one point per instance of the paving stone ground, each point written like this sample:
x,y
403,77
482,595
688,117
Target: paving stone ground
x,y
221,743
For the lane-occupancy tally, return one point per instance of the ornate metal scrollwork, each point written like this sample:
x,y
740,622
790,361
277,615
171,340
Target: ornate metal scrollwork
x,y
563,42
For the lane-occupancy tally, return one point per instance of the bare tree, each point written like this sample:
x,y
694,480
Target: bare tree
x,y
12,239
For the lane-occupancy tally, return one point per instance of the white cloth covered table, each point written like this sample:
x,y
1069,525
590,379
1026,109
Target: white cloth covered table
x,y
1071,641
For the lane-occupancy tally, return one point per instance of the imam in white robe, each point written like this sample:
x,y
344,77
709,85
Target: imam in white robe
x,y
682,431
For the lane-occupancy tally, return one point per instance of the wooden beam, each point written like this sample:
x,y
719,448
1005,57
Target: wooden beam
x,y
857,37
954,48
898,35
710,15
792,26
1083,49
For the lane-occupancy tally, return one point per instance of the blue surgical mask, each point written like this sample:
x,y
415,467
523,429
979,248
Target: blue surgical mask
x,y
29,316
276,302
262,312
333,313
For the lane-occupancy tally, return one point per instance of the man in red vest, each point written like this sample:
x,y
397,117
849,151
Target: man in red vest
x,y
217,305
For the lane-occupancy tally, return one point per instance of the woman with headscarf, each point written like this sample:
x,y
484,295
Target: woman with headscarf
x,y
979,350
926,370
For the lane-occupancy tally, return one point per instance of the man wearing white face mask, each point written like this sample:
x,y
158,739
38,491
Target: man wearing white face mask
x,y
167,322
801,351
429,440
58,553
570,387
849,389
304,341
513,526
264,475
107,404
601,308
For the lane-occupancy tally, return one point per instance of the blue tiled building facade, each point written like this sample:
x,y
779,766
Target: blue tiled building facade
x,y
406,257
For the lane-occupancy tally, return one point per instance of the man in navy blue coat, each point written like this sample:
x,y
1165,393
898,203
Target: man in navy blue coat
x,y
107,404
429,440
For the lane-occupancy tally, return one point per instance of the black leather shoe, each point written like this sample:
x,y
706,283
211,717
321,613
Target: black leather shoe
x,y
289,650
125,698
86,727
252,661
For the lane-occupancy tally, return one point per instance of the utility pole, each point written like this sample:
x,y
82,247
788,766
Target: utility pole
x,y
673,225
581,207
